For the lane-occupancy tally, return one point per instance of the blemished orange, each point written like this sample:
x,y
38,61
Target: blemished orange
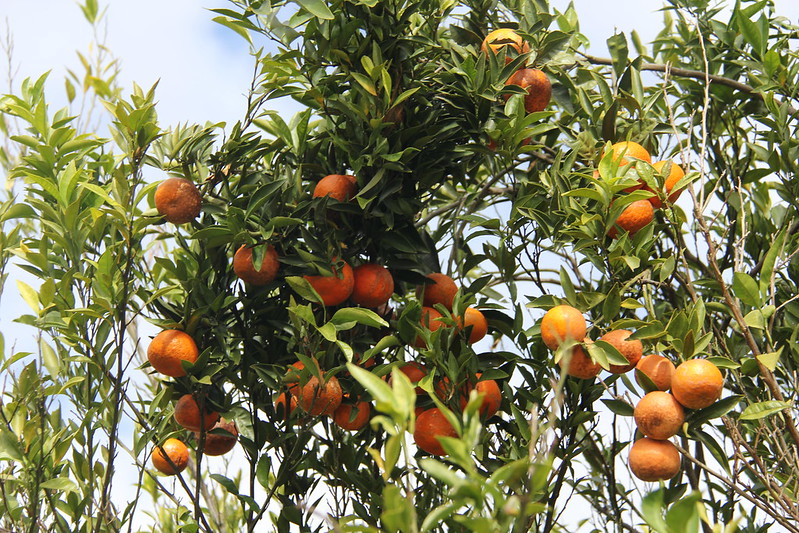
x,y
244,267
475,319
373,285
430,425
334,289
631,350
654,460
168,349
345,419
658,415
342,187
537,85
633,218
178,200
431,319
441,291
313,397
627,152
581,365
187,414
176,451
697,383
220,443
504,38
657,368
560,324
676,173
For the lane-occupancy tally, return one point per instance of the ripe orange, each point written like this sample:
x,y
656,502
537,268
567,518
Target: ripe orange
x,y
627,152
430,425
187,414
676,173
431,319
244,268
168,349
581,365
477,321
634,217
492,397
631,350
658,415
697,383
654,460
504,38
218,443
441,291
658,369
560,324
284,409
415,372
178,200
373,285
342,187
343,416
334,290
176,451
313,397
537,85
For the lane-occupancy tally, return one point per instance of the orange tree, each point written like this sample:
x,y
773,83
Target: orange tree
x,y
435,164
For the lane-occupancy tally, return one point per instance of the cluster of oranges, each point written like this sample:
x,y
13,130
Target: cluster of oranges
x,y
659,415
632,156
215,435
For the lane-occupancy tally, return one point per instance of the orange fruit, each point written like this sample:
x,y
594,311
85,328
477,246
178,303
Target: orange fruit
x,y
560,324
676,173
634,218
441,291
537,85
178,200
477,321
697,383
220,443
168,349
492,397
431,319
503,39
176,451
244,268
373,285
187,414
658,415
313,397
415,373
430,425
627,152
654,460
345,419
284,409
581,365
342,187
631,350
657,368
334,290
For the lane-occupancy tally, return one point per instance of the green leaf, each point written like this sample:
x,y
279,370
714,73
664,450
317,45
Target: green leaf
x,y
227,483
50,359
759,410
303,288
745,288
683,517
365,82
9,446
359,315
774,251
328,331
29,294
385,401
619,407
652,509
440,471
770,359
618,52
61,484
317,8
